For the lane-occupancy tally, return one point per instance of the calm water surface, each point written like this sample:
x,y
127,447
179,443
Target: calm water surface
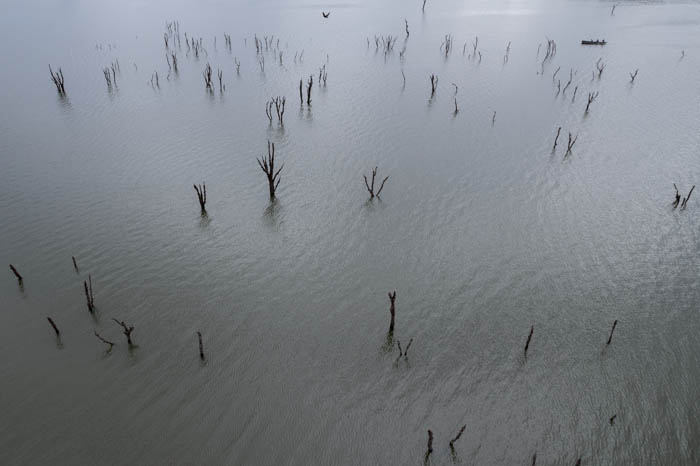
x,y
482,230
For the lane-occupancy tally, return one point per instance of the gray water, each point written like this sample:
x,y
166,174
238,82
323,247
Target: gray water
x,y
481,229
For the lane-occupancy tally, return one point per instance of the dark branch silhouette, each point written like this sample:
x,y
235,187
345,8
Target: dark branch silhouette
x,y
370,187
267,165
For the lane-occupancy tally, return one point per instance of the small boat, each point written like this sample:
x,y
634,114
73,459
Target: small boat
x,y
593,42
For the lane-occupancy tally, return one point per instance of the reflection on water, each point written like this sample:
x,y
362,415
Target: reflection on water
x,y
482,228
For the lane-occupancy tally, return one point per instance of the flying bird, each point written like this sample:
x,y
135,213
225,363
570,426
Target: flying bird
x,y
326,15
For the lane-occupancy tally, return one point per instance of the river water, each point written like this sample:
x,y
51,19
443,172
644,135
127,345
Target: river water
x,y
482,230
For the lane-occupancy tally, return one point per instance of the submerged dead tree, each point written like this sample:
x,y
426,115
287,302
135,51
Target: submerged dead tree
x,y
126,329
459,434
554,147
201,346
591,97
53,324
111,344
267,165
430,444
17,274
433,84
678,197
570,144
370,187
687,198
633,75
392,311
88,294
58,80
201,195
309,85
529,338
278,103
612,330
600,66
207,77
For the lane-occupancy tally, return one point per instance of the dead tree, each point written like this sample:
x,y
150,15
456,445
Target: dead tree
x,y
687,198
612,419
529,338
555,74
612,11
53,324
220,74
279,107
58,80
459,434
600,66
612,330
201,347
405,353
108,78
309,85
105,341
301,94
173,55
591,97
574,96
75,264
634,75
424,5
87,285
407,33
447,44
14,270
268,110
207,76
430,443
570,144
571,76
279,104
433,84
370,187
554,147
456,107
392,311
678,197
201,195
126,329
267,165
534,459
